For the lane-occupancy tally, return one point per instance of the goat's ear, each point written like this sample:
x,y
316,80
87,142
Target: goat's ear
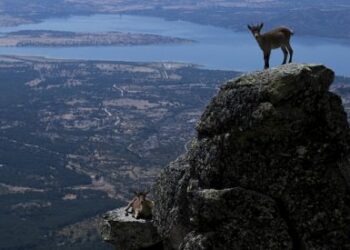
x,y
261,25
146,193
249,27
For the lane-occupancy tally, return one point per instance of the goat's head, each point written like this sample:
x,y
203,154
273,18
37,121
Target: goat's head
x,y
141,196
140,206
256,29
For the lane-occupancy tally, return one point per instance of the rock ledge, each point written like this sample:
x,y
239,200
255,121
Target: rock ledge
x,y
125,232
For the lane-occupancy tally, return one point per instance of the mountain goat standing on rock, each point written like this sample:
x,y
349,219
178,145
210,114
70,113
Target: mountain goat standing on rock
x,y
141,208
273,39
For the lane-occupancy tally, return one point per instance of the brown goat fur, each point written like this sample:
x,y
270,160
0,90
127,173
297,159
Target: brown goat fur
x,y
273,39
141,208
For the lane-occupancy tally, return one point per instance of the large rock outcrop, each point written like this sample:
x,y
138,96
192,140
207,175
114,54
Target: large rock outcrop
x,y
267,170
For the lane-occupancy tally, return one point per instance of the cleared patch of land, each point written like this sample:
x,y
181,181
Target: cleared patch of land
x,y
48,38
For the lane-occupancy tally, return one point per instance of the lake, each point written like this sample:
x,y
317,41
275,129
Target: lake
x,y
216,48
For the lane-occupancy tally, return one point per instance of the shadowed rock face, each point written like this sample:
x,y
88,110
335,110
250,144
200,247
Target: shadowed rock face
x,y
267,170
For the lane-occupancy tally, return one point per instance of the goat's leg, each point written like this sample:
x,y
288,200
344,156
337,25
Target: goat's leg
x,y
129,206
285,54
290,50
127,210
136,214
267,59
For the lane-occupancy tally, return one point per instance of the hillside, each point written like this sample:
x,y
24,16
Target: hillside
x,y
77,136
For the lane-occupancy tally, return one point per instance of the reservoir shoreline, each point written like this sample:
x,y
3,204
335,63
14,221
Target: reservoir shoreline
x,y
215,48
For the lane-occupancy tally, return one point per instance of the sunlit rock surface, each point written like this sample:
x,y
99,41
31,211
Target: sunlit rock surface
x,y
128,233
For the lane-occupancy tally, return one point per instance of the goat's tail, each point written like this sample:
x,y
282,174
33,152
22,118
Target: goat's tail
x,y
287,31
290,31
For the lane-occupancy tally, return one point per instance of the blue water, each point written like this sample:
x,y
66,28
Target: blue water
x,y
216,48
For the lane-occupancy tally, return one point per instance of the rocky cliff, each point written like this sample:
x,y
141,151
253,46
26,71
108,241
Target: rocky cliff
x,y
268,170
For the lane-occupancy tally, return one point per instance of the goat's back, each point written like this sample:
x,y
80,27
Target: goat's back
x,y
287,32
276,38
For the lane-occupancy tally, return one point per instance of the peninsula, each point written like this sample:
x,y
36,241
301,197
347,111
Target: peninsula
x,y
50,38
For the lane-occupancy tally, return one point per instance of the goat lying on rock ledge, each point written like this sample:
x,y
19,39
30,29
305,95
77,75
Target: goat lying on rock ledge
x,y
276,38
141,208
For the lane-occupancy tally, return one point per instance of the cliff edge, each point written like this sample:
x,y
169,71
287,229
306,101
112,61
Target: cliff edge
x,y
268,170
